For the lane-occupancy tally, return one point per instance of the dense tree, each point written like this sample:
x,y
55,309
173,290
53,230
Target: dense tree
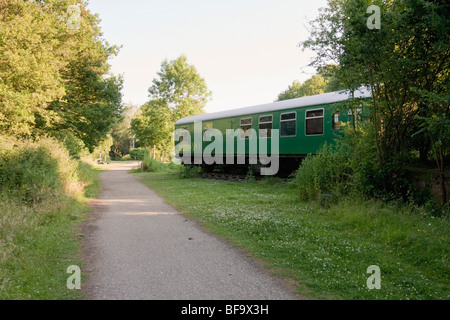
x,y
54,78
314,85
92,104
405,63
181,88
34,48
153,126
333,82
324,81
121,133
178,91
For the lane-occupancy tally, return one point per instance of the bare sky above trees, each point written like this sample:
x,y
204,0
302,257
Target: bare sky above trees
x,y
247,50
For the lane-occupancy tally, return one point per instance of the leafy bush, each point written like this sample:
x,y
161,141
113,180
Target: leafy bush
x,y
42,203
152,165
126,157
33,171
391,181
351,166
188,172
324,173
73,144
101,151
175,168
361,152
138,153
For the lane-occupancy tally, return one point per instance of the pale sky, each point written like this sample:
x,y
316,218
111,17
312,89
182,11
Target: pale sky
x,y
246,50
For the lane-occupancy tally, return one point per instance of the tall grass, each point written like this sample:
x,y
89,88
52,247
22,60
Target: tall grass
x,y
42,201
152,165
33,171
323,175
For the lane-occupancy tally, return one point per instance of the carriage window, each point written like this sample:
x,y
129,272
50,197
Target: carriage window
x,y
183,136
246,124
336,120
288,124
314,122
206,127
265,126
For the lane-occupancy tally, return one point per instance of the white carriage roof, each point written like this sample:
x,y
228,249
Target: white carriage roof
x,y
279,105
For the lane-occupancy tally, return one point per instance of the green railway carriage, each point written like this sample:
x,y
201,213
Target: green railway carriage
x,y
303,125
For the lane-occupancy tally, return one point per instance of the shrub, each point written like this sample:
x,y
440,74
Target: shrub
x,y
188,172
152,165
33,171
73,144
115,157
42,202
325,173
175,168
352,166
138,153
126,157
392,180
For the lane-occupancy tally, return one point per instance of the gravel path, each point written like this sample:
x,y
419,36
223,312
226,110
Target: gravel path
x,y
137,247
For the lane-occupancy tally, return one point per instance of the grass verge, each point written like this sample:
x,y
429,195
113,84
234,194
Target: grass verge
x,y
326,251
38,243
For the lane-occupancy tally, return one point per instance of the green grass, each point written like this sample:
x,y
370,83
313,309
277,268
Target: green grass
x,y
326,252
38,243
90,176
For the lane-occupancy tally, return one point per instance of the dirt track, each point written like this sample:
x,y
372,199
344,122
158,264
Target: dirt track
x,y
138,247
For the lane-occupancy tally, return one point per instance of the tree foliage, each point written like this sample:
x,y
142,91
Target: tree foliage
x,y
179,91
121,133
323,82
54,78
314,85
405,63
154,125
180,88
